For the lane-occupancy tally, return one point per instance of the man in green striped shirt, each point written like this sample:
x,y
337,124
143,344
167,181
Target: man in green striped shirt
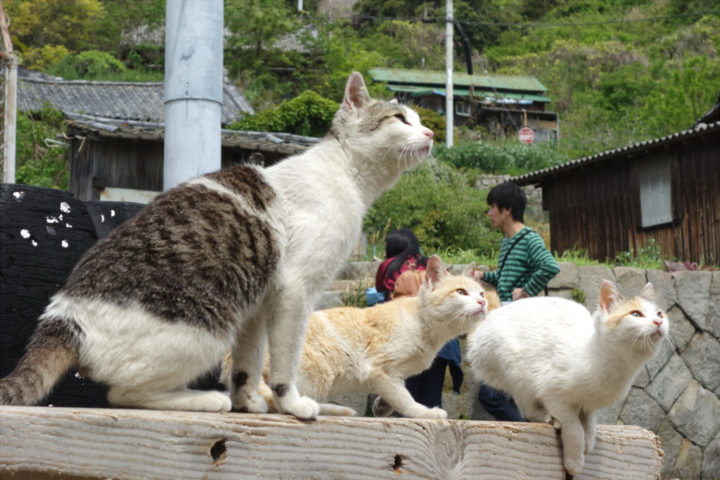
x,y
525,267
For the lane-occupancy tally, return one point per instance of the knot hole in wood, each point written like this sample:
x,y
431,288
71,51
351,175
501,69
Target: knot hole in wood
x,y
218,452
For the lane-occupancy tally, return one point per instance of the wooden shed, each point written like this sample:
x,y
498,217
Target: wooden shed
x,y
123,160
116,132
666,189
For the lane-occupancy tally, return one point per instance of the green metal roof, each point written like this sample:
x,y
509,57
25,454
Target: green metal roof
x,y
465,92
434,77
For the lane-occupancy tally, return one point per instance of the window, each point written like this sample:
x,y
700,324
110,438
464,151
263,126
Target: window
x,y
655,191
462,109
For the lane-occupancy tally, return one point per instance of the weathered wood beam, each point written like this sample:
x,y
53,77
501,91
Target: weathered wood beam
x,y
46,442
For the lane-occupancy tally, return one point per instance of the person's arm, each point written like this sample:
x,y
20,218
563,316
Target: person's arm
x,y
543,264
491,277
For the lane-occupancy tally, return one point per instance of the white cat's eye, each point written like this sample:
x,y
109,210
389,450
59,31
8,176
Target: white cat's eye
x,y
401,117
660,314
636,313
462,291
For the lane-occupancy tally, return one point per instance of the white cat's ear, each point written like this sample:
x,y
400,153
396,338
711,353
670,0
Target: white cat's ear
x,y
435,271
356,93
648,292
609,295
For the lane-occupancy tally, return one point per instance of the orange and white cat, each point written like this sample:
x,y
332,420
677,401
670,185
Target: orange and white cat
x,y
373,350
561,364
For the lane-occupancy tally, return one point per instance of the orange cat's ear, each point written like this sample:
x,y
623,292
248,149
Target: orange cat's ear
x,y
435,271
609,295
356,93
470,270
648,292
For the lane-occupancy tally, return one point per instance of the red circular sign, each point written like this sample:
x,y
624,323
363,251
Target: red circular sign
x,y
526,135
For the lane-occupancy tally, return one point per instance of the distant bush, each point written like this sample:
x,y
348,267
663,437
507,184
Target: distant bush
x,y
90,64
41,159
507,157
307,114
440,206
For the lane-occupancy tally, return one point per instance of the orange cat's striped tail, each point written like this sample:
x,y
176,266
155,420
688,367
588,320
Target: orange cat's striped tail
x,y
49,354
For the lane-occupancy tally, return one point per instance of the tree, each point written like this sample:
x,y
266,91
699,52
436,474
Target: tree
x,y
70,23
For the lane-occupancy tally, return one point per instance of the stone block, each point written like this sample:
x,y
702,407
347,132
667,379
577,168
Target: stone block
x,y
711,460
682,329
591,277
358,270
609,415
671,442
665,295
702,356
670,382
657,362
630,280
693,293
696,414
713,319
642,410
689,460
567,277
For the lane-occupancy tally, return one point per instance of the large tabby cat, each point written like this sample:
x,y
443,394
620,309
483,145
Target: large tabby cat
x,y
222,261
373,350
561,364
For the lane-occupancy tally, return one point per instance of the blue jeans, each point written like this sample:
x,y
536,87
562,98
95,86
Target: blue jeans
x,y
497,404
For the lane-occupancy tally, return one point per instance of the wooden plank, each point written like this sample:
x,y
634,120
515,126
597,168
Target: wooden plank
x,y
43,443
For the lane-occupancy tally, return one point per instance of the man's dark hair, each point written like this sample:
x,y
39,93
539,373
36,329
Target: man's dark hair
x,y
509,195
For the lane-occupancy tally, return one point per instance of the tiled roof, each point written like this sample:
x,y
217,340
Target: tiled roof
x,y
283,143
632,150
139,101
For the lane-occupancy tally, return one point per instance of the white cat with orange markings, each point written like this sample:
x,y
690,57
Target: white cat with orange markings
x,y
373,350
561,364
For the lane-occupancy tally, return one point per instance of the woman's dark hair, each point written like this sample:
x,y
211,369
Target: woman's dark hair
x,y
401,244
509,195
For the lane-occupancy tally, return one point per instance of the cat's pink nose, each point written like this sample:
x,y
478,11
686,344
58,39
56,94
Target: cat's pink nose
x,y
658,321
481,302
429,133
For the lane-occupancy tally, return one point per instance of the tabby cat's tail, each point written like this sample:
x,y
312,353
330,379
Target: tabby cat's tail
x,y
51,351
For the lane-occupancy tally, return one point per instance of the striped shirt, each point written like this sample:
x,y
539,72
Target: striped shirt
x,y
529,266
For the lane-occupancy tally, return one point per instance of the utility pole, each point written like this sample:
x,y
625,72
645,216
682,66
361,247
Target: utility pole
x,y
449,110
10,98
193,89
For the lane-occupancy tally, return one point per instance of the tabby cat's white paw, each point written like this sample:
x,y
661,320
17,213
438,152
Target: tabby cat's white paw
x,y
217,402
302,407
242,402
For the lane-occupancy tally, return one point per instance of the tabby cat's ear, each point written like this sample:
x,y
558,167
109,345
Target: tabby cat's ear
x,y
356,93
648,292
609,295
435,271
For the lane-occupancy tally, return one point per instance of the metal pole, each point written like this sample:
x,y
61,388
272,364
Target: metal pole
x,y
10,114
193,89
10,121
449,110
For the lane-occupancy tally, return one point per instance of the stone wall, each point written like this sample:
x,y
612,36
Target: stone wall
x,y
676,395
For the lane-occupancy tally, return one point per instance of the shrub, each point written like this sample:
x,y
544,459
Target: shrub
x,y
91,64
440,206
41,161
506,157
306,114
